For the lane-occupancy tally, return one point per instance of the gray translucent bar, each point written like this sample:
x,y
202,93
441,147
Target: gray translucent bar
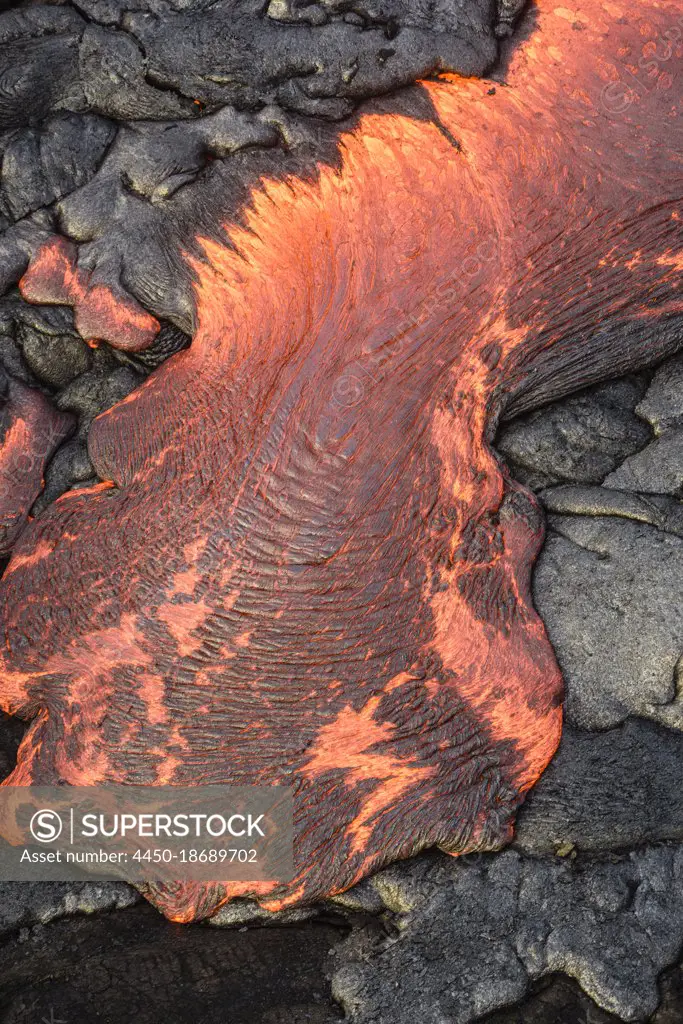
x,y
146,833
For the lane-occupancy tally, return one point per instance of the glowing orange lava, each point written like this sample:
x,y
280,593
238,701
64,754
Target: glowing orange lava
x,y
54,277
33,430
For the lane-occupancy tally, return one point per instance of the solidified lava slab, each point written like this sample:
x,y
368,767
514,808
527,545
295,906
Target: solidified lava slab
x,y
306,566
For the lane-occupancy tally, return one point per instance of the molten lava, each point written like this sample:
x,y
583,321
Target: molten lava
x,y
32,430
312,569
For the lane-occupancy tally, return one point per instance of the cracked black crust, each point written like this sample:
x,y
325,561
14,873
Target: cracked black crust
x,y
121,122
164,59
144,970
580,800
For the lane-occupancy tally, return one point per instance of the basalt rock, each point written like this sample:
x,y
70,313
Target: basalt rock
x,y
582,440
657,469
662,406
463,940
606,588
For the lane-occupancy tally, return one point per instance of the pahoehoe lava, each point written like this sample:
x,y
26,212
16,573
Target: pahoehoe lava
x,y
305,564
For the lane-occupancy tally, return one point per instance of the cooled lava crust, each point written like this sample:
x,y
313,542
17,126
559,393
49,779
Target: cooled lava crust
x,y
305,565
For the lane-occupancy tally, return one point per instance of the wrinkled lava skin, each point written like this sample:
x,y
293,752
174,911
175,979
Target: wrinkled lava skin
x,y
32,430
307,566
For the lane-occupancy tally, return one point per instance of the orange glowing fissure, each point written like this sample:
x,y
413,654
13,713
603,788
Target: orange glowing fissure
x,y
312,569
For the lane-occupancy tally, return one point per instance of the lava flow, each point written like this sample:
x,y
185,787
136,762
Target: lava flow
x,y
312,569
32,430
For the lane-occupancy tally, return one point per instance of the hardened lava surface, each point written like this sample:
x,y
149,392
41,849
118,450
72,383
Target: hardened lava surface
x,y
310,567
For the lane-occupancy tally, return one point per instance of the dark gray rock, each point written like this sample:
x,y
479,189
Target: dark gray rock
x,y
50,320
112,67
323,65
40,62
606,791
43,164
70,467
24,904
161,60
12,360
580,439
96,390
508,12
574,499
467,938
246,912
662,406
55,360
559,1000
657,469
607,589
